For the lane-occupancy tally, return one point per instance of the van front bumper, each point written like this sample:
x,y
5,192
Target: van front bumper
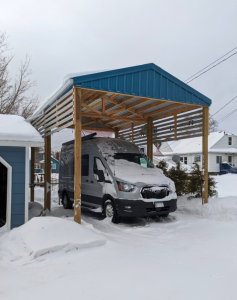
x,y
139,208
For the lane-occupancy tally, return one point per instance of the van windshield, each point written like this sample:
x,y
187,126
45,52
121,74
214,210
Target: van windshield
x,y
140,159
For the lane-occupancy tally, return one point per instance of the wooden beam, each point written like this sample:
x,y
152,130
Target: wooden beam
x,y
161,109
32,175
97,129
175,126
205,134
103,105
111,117
77,155
132,131
149,106
90,108
118,94
178,111
116,133
47,173
94,97
150,138
124,107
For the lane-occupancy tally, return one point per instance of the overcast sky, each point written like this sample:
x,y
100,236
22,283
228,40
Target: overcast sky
x,y
181,37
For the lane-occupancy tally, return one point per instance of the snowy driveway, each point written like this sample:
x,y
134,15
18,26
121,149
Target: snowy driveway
x,y
187,256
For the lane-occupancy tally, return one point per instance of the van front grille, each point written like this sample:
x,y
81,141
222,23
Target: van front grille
x,y
149,193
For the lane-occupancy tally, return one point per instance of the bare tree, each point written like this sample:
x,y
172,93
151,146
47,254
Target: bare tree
x,y
14,95
213,124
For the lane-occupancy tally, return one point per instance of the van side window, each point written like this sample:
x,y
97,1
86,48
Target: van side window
x,y
98,165
85,165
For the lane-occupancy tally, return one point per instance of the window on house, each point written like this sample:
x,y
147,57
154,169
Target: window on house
x,y
85,165
197,158
219,159
230,140
143,149
184,159
230,159
53,166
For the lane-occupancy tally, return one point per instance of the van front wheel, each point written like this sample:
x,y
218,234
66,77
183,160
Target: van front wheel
x,y
111,212
67,204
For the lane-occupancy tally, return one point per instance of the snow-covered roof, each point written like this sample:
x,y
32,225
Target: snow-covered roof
x,y
194,145
16,131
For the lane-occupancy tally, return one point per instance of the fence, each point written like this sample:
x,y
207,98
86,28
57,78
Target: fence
x,y
39,189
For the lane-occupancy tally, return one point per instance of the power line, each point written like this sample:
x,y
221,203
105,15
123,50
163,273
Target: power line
x,y
210,64
224,106
227,116
212,67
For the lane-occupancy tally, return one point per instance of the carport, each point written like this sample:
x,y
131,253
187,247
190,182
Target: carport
x,y
143,104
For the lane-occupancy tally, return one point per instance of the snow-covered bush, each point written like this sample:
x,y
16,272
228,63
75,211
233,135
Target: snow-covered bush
x,y
177,174
194,183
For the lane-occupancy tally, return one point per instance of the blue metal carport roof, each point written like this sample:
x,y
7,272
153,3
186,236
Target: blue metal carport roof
x,y
146,80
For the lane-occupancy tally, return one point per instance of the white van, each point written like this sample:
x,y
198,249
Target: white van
x,y
117,178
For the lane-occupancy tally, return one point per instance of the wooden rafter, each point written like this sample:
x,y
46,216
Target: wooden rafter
x,y
178,111
111,117
90,108
157,103
162,110
123,107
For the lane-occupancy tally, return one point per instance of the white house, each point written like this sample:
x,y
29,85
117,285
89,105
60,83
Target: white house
x,y
222,147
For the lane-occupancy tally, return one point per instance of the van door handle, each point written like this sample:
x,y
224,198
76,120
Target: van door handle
x,y
92,181
87,180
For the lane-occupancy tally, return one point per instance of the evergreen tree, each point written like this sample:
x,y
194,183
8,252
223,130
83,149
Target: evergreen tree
x,y
163,166
179,177
194,184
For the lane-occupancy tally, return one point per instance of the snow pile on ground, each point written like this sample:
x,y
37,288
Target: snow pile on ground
x,y
226,185
47,234
35,209
222,209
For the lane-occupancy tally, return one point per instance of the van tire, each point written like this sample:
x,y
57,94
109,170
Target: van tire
x,y
110,211
67,204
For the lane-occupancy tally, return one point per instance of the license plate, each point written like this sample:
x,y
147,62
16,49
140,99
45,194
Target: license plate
x,y
159,204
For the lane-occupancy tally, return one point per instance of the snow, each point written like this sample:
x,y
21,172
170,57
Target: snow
x,y
193,145
189,255
226,185
41,235
171,163
16,128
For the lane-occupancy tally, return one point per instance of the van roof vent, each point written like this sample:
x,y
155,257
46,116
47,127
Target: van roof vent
x,y
84,138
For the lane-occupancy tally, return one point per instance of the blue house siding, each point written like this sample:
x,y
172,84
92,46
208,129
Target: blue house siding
x,y
56,162
15,156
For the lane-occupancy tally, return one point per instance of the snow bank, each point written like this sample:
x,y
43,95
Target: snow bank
x,y
47,234
222,209
35,209
226,185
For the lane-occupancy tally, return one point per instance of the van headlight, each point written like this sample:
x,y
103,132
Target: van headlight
x,y
125,187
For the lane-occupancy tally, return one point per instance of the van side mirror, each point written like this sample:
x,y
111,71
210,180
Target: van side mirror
x,y
101,175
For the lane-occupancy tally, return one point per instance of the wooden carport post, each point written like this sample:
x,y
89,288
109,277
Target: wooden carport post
x,y
116,131
77,154
150,138
32,175
205,134
47,172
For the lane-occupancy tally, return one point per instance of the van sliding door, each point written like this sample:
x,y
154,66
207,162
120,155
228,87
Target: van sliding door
x,y
85,179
